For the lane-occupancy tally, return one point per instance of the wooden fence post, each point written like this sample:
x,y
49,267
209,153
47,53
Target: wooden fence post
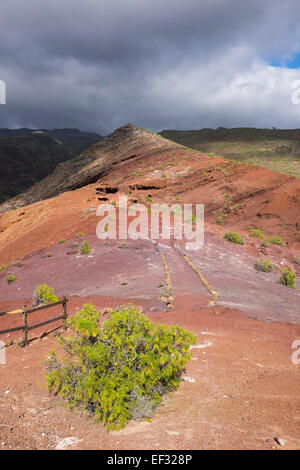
x,y
65,311
25,326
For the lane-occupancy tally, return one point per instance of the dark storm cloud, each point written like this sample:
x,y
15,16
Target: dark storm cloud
x,y
172,64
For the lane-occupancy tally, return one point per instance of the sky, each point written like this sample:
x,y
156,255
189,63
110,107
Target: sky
x,y
169,64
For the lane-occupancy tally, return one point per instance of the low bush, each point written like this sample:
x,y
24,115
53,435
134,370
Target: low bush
x,y
276,240
121,369
256,233
3,267
85,248
287,278
264,265
44,294
234,237
11,278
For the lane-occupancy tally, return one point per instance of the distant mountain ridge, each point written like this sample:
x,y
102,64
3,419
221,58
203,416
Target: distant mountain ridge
x,y
28,155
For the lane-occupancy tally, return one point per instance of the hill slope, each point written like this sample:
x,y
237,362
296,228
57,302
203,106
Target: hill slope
x,y
128,142
241,382
28,156
274,149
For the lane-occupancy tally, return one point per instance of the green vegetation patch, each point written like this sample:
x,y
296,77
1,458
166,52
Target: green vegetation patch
x,y
264,265
44,294
85,248
256,233
234,237
120,370
287,278
276,240
11,279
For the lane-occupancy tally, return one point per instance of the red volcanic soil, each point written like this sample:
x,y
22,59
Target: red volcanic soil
x,y
240,391
241,388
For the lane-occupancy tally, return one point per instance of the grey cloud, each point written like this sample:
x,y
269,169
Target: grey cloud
x,y
182,64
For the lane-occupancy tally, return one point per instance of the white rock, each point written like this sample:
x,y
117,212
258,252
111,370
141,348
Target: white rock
x,y
66,442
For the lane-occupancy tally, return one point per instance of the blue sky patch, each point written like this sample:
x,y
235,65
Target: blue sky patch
x,y
290,64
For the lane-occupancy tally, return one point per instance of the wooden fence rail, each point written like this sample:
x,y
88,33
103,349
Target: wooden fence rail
x,y
26,328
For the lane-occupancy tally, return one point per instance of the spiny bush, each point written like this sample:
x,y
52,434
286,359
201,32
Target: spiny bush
x,y
276,240
265,243
256,233
44,294
234,237
264,265
3,267
11,278
287,278
85,248
120,370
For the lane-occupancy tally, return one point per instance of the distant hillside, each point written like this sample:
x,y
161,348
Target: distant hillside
x,y
126,143
274,149
27,156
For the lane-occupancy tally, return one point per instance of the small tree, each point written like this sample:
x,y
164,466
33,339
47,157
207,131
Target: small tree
x,y
119,371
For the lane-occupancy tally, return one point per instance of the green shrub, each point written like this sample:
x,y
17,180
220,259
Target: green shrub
x,y
265,243
234,237
164,176
44,294
256,233
287,278
63,240
120,370
264,265
85,248
3,267
11,278
276,240
149,198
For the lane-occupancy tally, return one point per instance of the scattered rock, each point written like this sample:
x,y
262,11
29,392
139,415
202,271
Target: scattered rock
x,y
280,441
66,442
189,379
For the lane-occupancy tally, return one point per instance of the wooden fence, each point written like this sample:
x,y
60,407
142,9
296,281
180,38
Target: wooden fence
x,y
26,328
